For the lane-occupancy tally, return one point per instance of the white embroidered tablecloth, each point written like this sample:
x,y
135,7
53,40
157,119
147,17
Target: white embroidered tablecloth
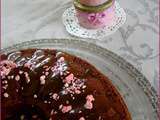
x,y
137,41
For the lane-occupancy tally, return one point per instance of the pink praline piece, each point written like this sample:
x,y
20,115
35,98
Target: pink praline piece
x,y
66,109
6,66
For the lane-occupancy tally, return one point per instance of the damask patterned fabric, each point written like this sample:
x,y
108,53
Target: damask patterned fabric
x,y
136,41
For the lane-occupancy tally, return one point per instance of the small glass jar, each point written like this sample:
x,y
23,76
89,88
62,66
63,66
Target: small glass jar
x,y
93,17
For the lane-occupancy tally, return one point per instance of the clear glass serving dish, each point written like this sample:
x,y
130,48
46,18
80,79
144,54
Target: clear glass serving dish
x,y
138,94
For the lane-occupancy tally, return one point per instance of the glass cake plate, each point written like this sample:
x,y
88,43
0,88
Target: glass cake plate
x,y
138,94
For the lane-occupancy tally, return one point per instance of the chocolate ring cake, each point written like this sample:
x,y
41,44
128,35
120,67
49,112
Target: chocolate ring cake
x,y
42,84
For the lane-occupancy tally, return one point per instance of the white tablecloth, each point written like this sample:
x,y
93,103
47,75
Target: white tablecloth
x,y
137,41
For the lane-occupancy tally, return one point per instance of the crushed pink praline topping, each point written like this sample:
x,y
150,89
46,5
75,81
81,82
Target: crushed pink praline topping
x,y
66,109
82,118
88,105
21,72
6,95
60,107
27,77
55,96
5,86
6,66
73,85
52,112
60,67
69,78
17,78
42,79
35,96
46,73
89,100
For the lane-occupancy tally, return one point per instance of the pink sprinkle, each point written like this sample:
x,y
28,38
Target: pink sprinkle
x,y
17,78
84,86
45,66
16,90
20,72
66,85
35,96
60,107
73,97
46,73
90,98
9,77
47,69
66,109
69,78
6,66
80,111
42,79
27,77
5,87
88,105
5,71
34,116
67,102
77,91
6,95
4,82
55,96
50,118
52,112
55,112
82,118
49,102
12,77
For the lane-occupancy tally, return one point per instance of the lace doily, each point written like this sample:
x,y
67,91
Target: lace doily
x,y
72,25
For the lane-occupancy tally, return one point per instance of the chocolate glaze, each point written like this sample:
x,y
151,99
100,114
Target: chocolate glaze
x,y
51,85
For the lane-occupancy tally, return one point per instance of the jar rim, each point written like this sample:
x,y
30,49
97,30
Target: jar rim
x,y
98,8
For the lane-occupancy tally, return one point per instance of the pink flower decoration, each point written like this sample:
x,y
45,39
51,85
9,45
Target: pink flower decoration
x,y
96,17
